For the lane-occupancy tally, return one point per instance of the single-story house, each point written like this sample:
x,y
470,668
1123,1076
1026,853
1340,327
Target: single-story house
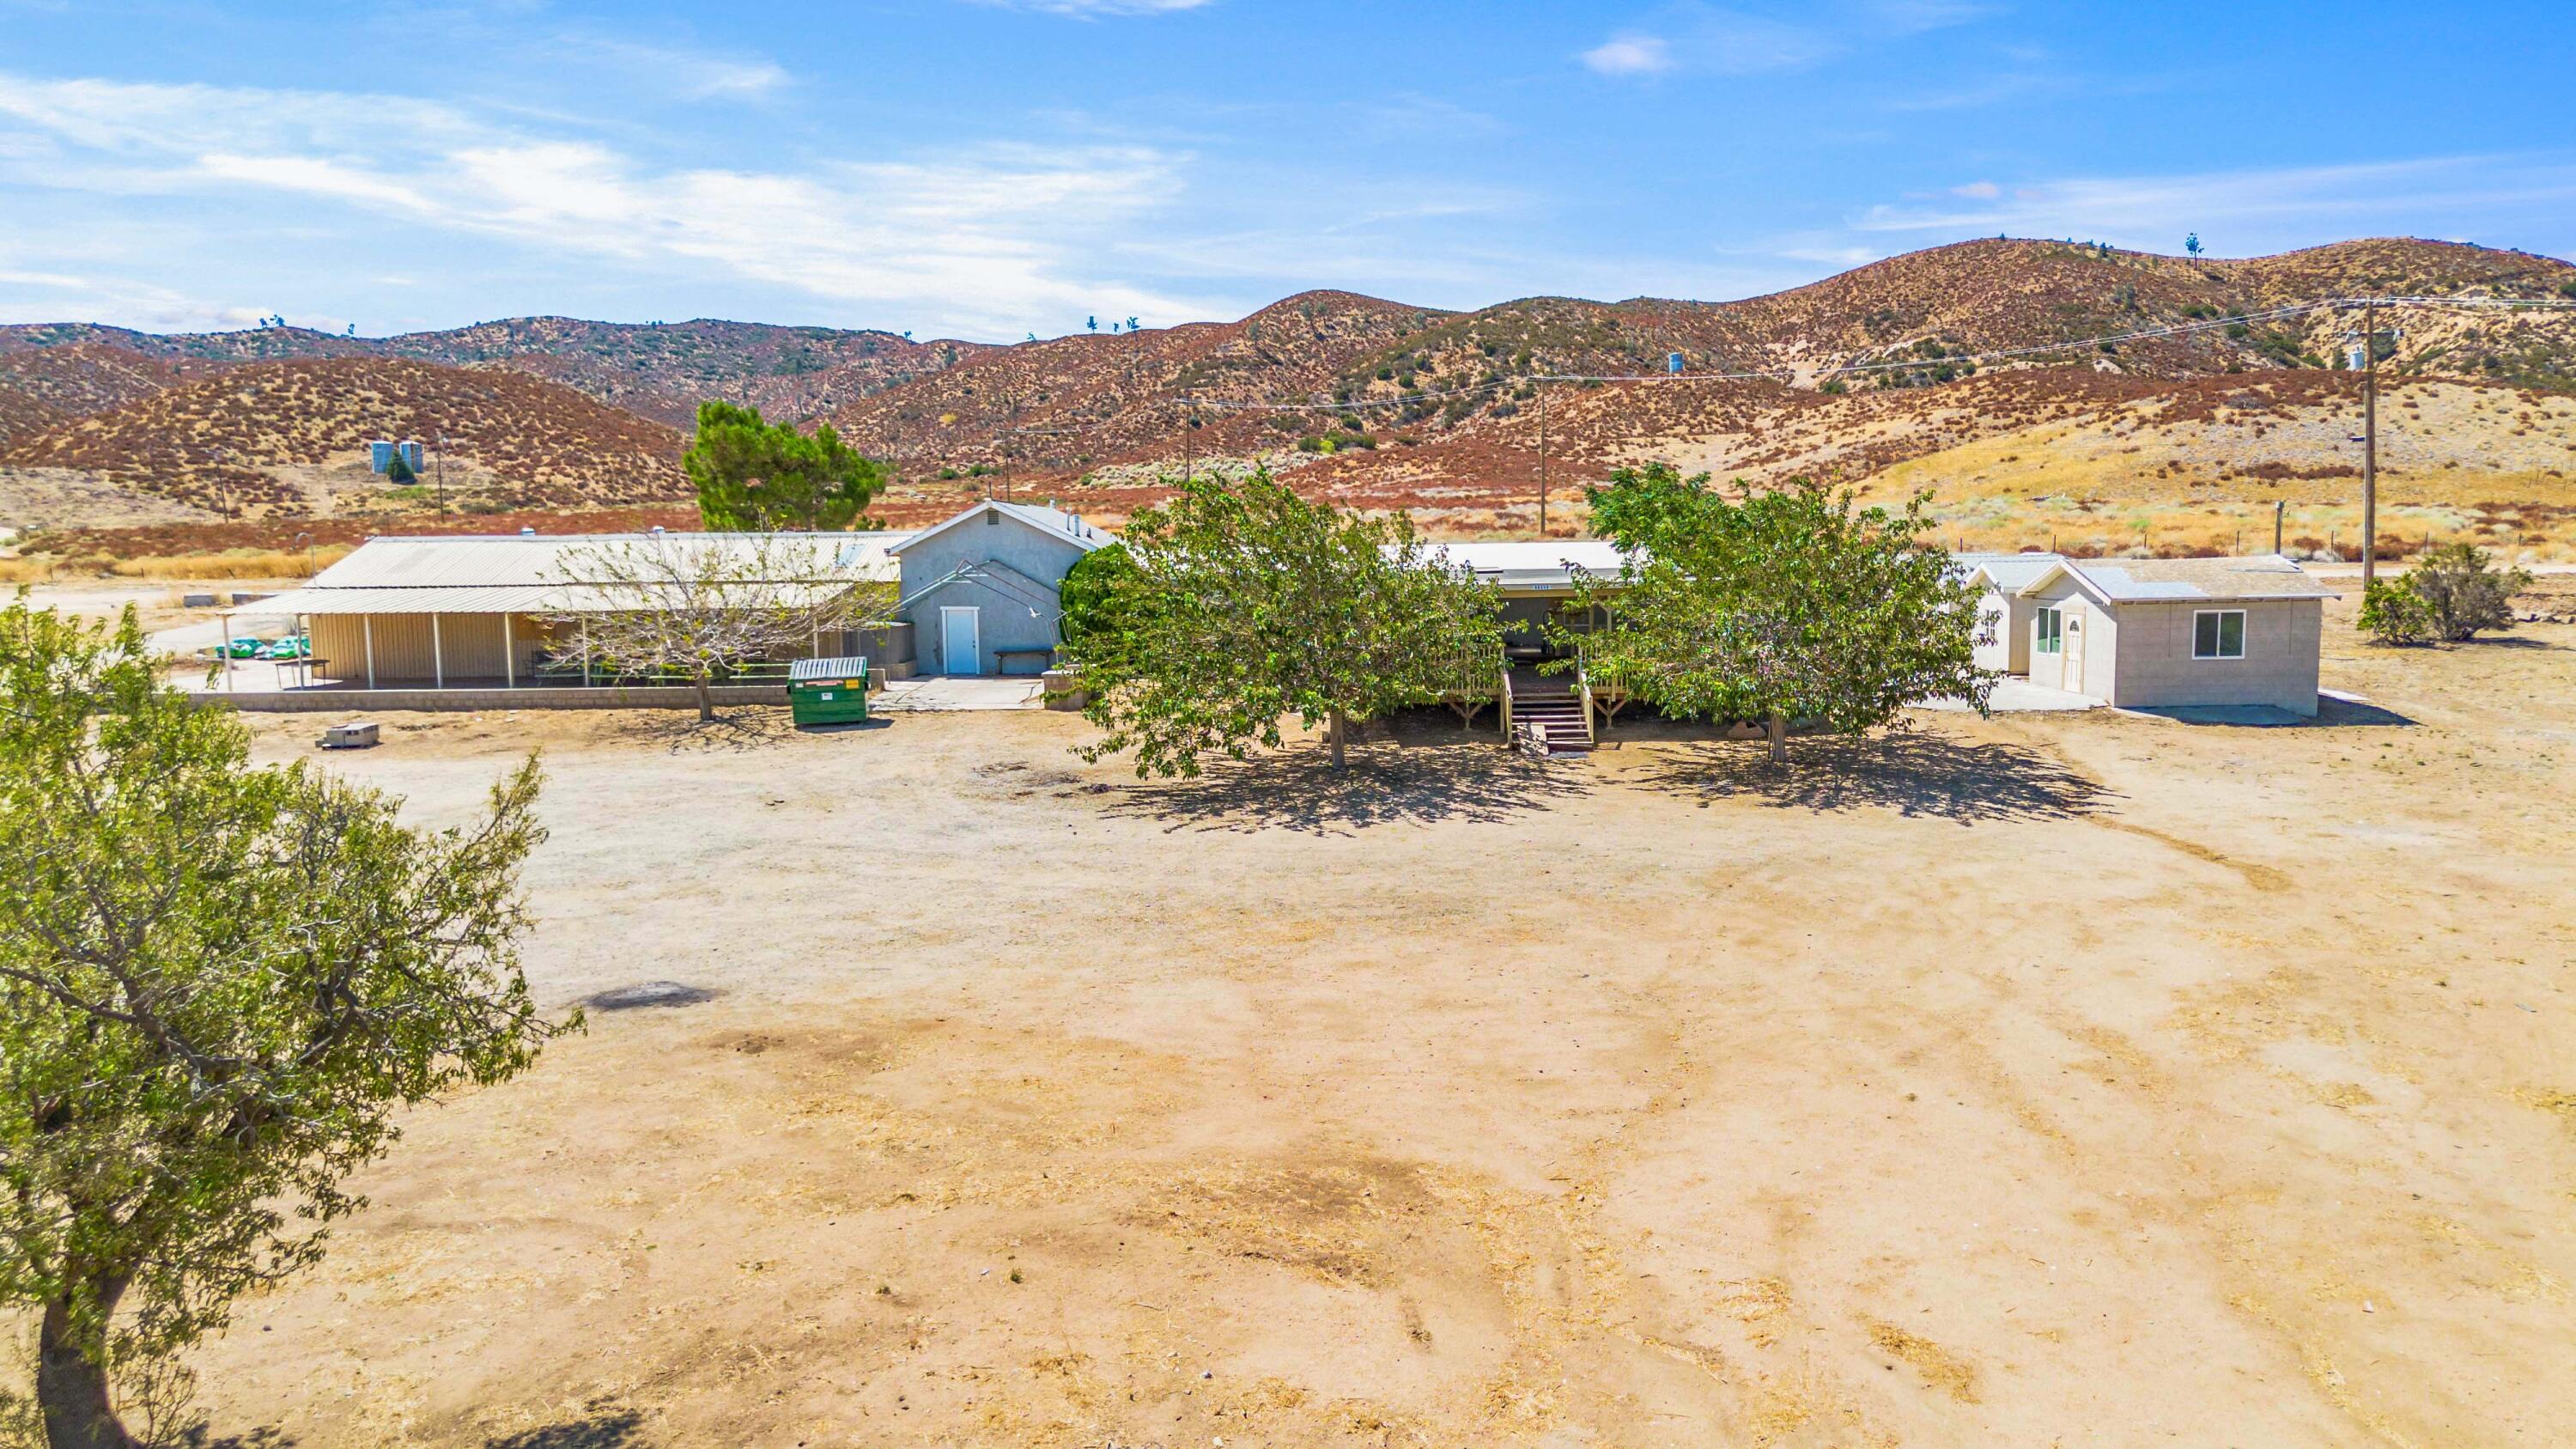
x,y
451,611
2004,613
975,594
2146,633
980,590
1535,579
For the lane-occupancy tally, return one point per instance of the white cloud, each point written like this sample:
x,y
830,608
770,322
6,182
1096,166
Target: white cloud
x,y
687,73
1630,55
985,238
2264,208
67,297
1689,35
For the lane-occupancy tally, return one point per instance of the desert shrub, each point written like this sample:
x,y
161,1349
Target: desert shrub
x,y
2392,613
1835,388
2568,290
2464,592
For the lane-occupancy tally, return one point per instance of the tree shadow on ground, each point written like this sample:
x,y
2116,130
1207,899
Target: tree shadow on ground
x,y
613,1429
738,729
1912,774
1298,789
263,1438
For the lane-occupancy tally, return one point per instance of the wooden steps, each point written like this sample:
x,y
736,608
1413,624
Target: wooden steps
x,y
1548,717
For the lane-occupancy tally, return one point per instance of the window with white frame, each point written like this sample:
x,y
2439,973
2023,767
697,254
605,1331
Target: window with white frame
x,y
2047,626
2218,634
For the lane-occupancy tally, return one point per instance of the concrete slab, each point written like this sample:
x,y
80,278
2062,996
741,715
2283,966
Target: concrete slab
x,y
945,692
2019,696
2256,716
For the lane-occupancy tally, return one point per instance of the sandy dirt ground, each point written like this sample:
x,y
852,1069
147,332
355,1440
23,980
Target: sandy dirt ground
x,y
2061,1079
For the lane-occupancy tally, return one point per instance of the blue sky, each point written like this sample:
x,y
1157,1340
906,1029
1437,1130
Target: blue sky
x,y
993,168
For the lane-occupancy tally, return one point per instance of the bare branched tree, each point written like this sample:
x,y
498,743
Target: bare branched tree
x,y
699,608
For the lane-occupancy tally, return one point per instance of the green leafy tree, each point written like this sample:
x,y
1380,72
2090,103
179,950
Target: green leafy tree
x,y
218,983
2392,613
1249,604
752,474
1093,592
398,470
2464,592
1780,604
696,611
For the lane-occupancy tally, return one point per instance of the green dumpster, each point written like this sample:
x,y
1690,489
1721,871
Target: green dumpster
x,y
828,691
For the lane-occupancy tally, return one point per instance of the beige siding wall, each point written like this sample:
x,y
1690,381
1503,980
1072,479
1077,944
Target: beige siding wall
x,y
2011,618
2279,667
2084,621
407,651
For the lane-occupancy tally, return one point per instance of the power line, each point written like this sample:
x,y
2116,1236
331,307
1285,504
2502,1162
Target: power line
x,y
1790,375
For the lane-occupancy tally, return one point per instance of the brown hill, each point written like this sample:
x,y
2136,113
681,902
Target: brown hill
x,y
47,388
1064,404
662,371
290,437
1853,376
1117,409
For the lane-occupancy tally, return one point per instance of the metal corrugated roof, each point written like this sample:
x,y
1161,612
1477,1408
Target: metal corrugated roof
x,y
537,574
1053,522
520,559
1531,564
2010,572
2151,580
525,598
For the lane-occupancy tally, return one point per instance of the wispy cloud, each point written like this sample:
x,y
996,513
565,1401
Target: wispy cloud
x,y
2260,208
1692,36
1630,55
690,73
984,237
1412,116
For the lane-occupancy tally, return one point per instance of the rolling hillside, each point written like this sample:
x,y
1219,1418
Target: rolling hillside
x,y
272,438
45,389
661,371
1882,373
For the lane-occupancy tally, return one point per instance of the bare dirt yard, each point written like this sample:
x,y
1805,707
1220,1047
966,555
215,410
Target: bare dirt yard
x,y
2057,1079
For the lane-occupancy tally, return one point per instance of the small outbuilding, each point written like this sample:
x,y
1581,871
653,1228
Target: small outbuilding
x,y
2005,613
2185,632
980,589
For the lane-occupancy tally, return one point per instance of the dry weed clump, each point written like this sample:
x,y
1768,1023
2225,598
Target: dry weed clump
x,y
260,564
1939,1367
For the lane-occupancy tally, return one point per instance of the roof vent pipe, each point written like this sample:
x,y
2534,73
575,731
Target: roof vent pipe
x,y
527,531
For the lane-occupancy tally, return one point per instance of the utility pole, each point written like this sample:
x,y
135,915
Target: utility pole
x,y
1540,389
438,461
2369,445
2278,505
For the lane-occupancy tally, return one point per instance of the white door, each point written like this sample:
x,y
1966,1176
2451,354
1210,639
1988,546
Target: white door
x,y
2073,676
961,640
